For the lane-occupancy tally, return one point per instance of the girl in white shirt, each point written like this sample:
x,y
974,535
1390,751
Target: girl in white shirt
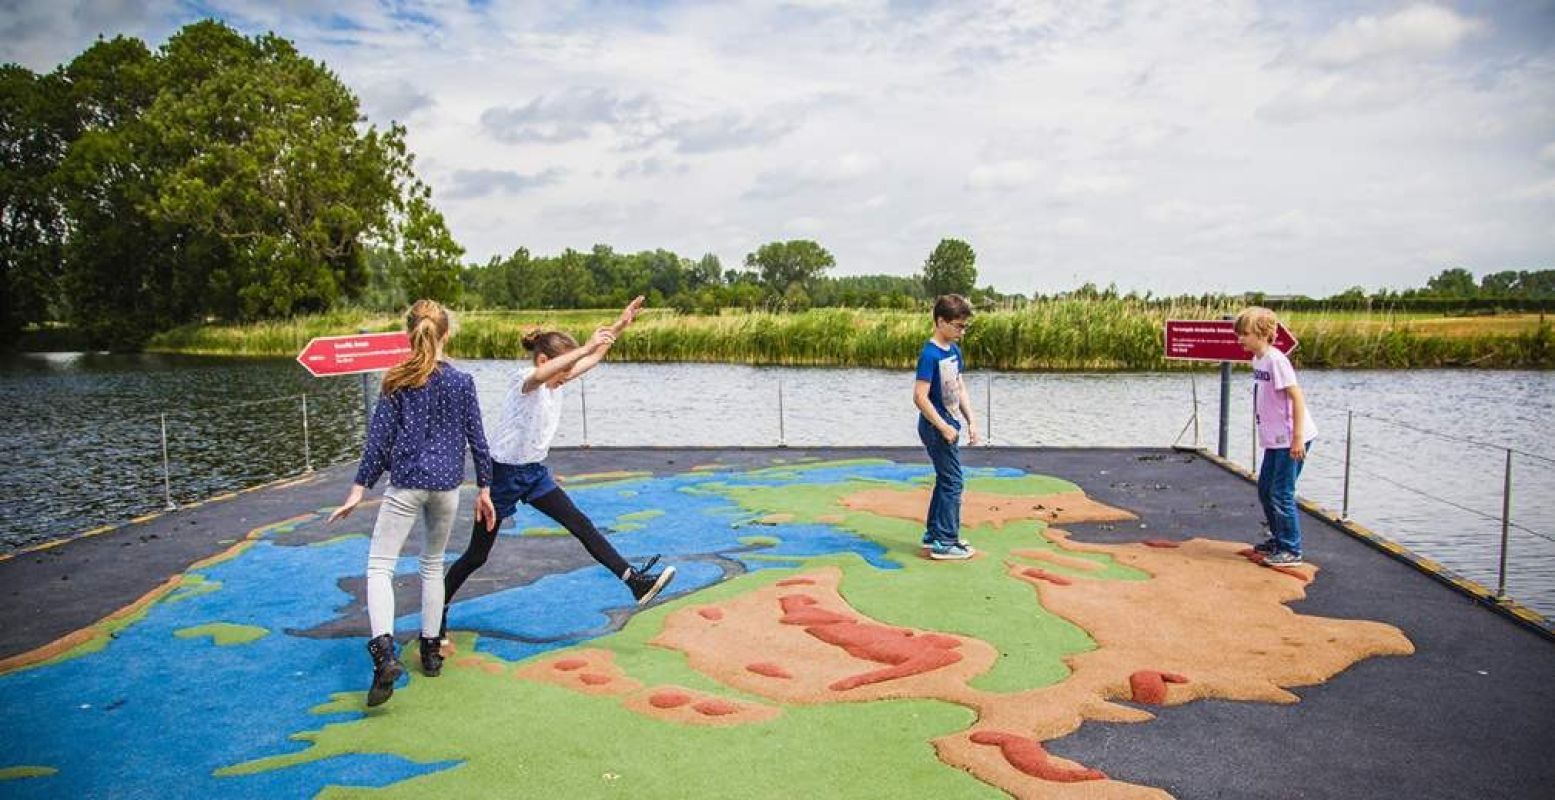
x,y
519,445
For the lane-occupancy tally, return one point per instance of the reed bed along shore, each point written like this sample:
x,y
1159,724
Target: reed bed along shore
x,y
1049,335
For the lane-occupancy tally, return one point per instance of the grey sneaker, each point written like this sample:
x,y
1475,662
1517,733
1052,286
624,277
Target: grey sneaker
x,y
1267,547
949,552
928,541
1284,558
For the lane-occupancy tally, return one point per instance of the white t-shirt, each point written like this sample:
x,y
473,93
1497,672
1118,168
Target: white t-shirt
x,y
1272,375
528,423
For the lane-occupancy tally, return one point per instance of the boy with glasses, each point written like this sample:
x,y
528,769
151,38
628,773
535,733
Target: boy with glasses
x,y
943,406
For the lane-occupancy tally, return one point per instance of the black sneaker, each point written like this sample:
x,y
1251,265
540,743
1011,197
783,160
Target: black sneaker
x,y
1267,547
386,669
646,585
1284,558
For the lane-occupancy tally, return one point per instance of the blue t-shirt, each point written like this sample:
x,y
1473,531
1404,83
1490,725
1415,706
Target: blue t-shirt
x,y
942,369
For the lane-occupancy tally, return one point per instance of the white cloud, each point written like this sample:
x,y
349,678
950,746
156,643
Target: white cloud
x,y
1004,175
1547,155
1416,31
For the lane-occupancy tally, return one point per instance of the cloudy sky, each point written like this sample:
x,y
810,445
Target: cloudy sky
x,y
1166,145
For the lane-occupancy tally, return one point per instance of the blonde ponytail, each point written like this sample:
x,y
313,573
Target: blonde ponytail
x,y
427,323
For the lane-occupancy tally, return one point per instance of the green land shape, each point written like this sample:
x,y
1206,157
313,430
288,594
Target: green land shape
x,y
334,540
760,541
224,634
553,531
193,585
19,772
509,732
641,516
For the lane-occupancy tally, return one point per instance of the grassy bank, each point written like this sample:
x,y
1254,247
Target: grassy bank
x,y
1053,335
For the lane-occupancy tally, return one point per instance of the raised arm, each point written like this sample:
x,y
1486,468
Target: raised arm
x,y
563,364
628,316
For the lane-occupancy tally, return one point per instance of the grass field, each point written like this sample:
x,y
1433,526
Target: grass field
x,y
1050,335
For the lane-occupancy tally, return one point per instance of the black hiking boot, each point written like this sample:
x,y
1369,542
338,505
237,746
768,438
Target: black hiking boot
x,y
646,585
386,669
431,656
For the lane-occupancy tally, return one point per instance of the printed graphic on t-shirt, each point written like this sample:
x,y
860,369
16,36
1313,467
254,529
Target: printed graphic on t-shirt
x,y
950,385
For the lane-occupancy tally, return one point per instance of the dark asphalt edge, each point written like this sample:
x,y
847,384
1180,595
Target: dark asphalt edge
x,y
114,527
1482,595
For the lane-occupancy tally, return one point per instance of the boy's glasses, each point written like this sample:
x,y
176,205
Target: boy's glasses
x,y
960,326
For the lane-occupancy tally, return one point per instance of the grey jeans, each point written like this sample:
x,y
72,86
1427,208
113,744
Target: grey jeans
x,y
396,516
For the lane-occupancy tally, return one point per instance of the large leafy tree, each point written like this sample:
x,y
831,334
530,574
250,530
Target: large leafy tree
x,y
268,165
428,266
950,269
787,269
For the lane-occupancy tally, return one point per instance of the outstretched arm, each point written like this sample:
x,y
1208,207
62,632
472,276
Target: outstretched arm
x,y
628,316
563,364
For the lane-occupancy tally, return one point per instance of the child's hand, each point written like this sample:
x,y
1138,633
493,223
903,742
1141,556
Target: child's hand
x,y
352,499
484,510
950,433
629,314
972,437
1298,450
603,337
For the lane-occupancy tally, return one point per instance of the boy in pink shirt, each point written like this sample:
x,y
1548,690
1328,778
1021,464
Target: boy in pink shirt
x,y
1285,431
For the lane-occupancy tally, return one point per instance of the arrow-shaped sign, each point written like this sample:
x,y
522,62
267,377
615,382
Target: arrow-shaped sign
x,y
1215,340
346,355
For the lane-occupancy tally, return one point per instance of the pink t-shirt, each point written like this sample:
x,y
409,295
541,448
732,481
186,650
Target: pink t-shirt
x,y
1272,375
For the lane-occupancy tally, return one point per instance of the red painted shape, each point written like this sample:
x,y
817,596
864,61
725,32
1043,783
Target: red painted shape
x,y
1044,575
1214,340
796,582
797,610
594,678
570,664
1149,686
715,708
1161,543
347,355
1030,757
665,699
768,669
713,614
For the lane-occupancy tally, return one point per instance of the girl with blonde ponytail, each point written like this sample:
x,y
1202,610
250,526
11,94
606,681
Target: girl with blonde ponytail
x,y
427,416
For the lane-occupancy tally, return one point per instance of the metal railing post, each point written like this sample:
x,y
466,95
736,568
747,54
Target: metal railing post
x,y
1349,432
782,433
988,415
1225,409
307,445
1252,464
1195,383
1506,524
167,475
583,394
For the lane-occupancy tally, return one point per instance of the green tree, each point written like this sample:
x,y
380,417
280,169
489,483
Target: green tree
x,y
33,120
428,266
267,163
950,269
1455,282
784,265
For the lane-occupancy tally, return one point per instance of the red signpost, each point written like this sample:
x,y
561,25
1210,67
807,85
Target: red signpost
x,y
1214,340
347,355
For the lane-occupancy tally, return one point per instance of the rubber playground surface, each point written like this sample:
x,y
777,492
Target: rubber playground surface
x,y
1112,638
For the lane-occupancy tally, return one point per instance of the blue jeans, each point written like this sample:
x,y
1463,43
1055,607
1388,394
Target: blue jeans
x,y
944,522
1277,492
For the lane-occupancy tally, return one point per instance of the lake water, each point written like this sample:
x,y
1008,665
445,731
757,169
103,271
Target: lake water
x,y
86,430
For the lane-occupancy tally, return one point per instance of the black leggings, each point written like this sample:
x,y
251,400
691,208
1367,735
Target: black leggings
x,y
554,504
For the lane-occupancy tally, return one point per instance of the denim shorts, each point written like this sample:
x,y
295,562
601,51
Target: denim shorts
x,y
512,484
